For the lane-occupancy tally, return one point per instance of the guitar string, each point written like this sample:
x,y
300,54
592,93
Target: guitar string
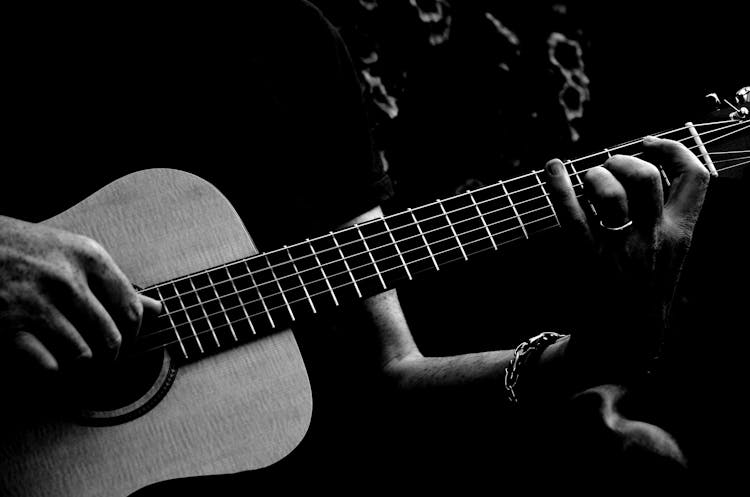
x,y
418,271
722,161
397,268
368,264
161,346
338,261
316,268
735,165
630,143
226,266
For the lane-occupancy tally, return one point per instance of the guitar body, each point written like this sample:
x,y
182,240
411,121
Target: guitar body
x,y
242,409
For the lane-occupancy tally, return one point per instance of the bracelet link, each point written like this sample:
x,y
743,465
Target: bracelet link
x,y
525,351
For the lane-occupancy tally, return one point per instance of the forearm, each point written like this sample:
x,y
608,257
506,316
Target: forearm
x,y
406,368
548,377
418,372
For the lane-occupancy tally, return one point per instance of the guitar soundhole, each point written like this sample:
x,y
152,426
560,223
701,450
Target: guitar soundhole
x,y
124,390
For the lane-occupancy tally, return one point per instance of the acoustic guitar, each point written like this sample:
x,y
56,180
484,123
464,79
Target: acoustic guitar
x,y
216,384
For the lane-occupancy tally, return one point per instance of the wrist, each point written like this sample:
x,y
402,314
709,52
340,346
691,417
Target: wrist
x,y
528,377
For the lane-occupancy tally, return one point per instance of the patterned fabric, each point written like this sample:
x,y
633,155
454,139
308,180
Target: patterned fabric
x,y
458,87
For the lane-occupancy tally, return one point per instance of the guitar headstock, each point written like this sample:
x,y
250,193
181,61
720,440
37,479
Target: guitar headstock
x,y
739,108
727,133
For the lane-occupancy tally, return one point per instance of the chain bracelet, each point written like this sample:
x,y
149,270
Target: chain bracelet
x,y
531,348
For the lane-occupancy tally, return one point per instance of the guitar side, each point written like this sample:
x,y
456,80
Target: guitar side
x,y
243,409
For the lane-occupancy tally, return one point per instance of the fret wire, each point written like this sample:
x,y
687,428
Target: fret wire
x,y
576,173
484,223
450,224
623,145
520,221
444,252
449,250
346,264
302,283
242,304
323,272
440,228
545,194
426,243
417,224
398,250
369,252
221,305
174,326
262,300
281,290
580,183
457,259
660,134
200,303
742,125
190,322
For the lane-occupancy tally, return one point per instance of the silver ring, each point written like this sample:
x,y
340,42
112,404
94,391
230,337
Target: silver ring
x,y
618,228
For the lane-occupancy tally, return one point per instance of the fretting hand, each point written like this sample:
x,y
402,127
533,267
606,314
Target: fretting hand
x,y
639,244
62,298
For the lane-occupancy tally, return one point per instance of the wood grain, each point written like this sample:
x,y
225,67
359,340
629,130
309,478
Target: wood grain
x,y
243,409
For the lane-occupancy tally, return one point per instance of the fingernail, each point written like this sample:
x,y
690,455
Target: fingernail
x,y
85,355
554,168
648,140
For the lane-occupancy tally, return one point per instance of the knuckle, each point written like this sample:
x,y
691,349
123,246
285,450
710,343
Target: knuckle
x,y
675,147
594,174
610,193
134,311
700,173
617,161
62,275
648,174
90,251
89,243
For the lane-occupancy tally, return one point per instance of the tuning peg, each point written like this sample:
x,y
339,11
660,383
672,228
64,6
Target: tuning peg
x,y
743,95
712,101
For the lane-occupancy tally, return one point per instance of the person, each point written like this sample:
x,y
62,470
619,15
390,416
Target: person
x,y
63,299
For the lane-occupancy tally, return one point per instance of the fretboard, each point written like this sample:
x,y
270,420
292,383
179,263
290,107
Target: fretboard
x,y
222,306
217,308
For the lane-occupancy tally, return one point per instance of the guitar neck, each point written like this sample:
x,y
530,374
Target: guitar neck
x,y
216,308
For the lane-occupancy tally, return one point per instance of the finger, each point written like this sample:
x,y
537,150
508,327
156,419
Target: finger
x,y
689,178
151,307
61,337
112,289
642,182
93,322
34,351
569,212
608,195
